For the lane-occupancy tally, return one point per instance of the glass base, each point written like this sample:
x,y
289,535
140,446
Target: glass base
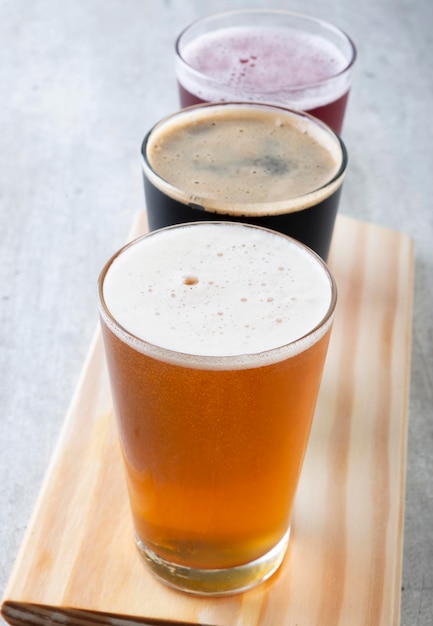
x,y
215,581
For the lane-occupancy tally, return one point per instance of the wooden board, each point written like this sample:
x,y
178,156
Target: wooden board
x,y
78,563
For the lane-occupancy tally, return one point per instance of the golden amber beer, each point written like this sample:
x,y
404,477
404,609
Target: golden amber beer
x,y
216,335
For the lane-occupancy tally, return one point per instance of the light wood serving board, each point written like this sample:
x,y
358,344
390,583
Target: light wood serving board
x,y
78,563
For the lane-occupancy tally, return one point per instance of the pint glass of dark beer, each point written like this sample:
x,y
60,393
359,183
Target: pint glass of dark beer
x,y
215,336
267,55
247,162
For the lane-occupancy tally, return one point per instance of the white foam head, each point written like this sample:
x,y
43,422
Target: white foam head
x,y
202,293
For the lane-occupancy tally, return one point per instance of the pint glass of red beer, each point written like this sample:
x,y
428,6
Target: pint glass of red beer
x,y
267,55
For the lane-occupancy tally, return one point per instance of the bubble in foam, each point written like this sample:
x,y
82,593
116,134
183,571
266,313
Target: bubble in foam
x,y
190,280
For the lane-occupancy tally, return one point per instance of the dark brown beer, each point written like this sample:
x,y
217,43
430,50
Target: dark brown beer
x,y
243,162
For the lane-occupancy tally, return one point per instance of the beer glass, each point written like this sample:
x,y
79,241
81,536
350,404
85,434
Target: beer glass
x,y
265,55
249,162
215,336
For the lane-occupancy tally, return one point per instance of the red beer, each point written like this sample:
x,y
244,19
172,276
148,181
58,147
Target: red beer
x,y
267,56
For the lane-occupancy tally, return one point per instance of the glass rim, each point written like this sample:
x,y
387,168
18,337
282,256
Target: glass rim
x,y
256,11
223,207
233,362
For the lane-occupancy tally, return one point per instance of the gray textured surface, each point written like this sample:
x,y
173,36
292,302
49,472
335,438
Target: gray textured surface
x,y
80,83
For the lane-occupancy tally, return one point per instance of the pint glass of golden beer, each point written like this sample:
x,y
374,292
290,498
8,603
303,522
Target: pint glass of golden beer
x,y
215,336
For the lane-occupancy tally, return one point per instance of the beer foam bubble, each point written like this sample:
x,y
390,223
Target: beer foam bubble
x,y
217,290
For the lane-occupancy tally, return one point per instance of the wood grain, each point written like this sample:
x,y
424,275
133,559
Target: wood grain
x,y
78,563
